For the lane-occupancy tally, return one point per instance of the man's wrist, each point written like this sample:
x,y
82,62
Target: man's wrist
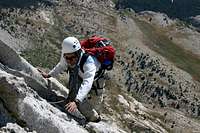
x,y
48,76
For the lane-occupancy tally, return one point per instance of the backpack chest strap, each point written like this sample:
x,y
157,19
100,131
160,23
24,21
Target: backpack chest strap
x,y
83,60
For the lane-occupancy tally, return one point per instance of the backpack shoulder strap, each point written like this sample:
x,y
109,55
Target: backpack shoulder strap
x,y
83,60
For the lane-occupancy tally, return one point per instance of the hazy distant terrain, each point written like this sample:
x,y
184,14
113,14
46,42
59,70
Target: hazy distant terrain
x,y
23,3
173,8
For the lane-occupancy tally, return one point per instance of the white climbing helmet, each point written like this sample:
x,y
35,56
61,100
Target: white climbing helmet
x,y
70,45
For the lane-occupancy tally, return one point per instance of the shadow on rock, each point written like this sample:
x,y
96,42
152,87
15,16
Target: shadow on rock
x,y
25,3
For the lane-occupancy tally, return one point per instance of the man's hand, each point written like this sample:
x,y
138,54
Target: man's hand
x,y
71,107
44,74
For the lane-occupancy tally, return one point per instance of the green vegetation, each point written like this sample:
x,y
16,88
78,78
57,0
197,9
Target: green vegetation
x,y
126,12
137,96
157,115
164,46
43,56
45,52
115,1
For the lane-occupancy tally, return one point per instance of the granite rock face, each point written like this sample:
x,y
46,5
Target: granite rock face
x,y
27,101
30,110
10,127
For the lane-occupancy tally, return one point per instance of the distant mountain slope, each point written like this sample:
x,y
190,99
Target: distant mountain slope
x,y
174,8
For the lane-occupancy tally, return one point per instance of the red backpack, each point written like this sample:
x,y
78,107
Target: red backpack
x,y
100,48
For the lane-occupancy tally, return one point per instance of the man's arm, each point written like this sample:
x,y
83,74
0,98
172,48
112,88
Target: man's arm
x,y
61,66
55,71
44,74
88,78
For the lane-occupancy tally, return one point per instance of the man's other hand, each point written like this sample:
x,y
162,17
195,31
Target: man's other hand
x,y
44,74
71,107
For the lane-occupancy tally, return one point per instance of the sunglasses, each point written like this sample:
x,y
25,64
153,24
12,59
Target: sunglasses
x,y
69,57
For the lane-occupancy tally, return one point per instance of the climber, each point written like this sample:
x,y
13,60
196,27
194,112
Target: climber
x,y
80,81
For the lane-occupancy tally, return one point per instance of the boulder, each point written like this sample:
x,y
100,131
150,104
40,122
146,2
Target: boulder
x,y
30,110
12,63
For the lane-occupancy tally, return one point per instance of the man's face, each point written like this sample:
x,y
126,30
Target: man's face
x,y
71,59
